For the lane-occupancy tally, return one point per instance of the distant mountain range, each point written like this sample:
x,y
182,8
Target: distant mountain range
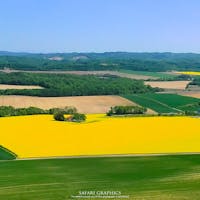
x,y
8,53
111,55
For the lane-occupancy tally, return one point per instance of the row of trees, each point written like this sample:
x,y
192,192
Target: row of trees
x,y
137,110
6,111
124,110
58,113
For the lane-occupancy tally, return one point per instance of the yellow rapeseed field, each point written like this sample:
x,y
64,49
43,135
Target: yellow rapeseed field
x,y
190,73
41,136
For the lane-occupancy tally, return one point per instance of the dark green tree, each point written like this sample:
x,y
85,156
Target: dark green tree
x,y
59,116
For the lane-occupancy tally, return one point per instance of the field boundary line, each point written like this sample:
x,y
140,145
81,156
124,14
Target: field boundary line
x,y
108,156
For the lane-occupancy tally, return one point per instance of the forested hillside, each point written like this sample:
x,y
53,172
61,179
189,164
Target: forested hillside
x,y
101,61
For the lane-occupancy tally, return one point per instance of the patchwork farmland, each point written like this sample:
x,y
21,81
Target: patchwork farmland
x,y
100,100
49,156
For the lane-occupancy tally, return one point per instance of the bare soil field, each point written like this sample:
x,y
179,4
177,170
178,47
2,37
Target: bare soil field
x,y
115,73
84,104
190,93
19,87
176,85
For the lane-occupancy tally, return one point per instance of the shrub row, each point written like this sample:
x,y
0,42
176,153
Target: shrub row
x,y
123,110
6,111
76,117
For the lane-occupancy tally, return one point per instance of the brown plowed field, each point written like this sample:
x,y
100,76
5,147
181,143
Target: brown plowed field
x,y
190,94
84,104
177,85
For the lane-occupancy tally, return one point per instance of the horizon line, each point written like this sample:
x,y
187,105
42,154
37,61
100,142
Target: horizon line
x,y
97,52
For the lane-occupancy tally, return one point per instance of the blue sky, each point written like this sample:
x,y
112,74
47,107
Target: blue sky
x,y
100,25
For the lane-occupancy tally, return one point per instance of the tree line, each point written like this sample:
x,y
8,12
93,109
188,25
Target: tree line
x,y
7,111
58,113
72,85
125,110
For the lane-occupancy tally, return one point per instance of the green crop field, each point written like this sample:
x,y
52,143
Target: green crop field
x,y
165,103
151,177
160,75
5,154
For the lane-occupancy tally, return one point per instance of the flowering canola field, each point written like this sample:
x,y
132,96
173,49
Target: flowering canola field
x,y
41,136
190,73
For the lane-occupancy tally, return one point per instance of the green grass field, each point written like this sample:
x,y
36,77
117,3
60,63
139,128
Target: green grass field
x,y
153,177
165,103
160,75
5,154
